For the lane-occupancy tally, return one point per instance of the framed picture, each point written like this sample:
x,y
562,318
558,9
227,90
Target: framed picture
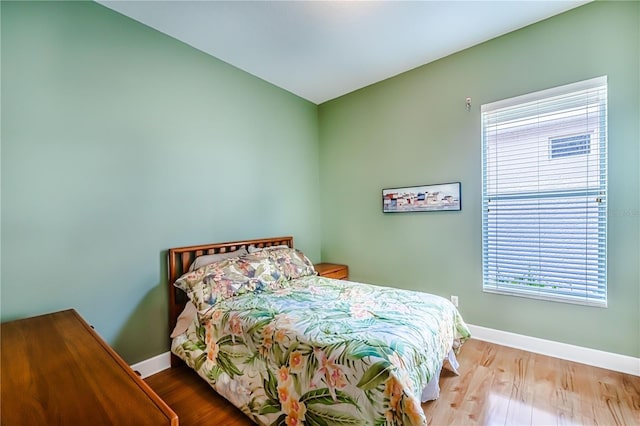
x,y
426,198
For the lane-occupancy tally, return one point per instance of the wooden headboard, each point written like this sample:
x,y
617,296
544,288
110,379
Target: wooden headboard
x,y
181,258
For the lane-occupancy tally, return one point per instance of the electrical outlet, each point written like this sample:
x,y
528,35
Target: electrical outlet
x,y
454,300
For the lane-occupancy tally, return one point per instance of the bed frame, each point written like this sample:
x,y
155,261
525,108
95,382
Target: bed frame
x,y
181,258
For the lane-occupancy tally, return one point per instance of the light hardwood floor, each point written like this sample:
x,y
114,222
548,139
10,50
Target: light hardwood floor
x,y
497,385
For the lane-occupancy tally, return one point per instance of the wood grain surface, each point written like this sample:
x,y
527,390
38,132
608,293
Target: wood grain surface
x,y
57,371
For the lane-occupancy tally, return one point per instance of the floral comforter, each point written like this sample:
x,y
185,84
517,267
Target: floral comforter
x,y
324,352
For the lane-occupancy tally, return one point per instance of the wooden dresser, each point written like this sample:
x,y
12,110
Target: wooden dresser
x,y
56,370
332,270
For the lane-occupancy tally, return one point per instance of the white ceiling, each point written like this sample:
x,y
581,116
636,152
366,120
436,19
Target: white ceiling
x,y
320,50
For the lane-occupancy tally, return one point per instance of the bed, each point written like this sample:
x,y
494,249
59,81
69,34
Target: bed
x,y
288,347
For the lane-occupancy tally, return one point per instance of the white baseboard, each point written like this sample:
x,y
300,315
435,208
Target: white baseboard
x,y
593,357
154,365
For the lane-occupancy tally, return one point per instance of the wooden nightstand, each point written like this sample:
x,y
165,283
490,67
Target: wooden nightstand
x,y
332,270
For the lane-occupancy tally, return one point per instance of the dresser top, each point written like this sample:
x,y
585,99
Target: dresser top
x,y
57,370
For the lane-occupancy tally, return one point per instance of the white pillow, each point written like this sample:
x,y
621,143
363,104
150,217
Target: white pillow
x,y
208,259
184,320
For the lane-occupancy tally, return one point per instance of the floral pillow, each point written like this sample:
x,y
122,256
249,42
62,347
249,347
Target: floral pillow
x,y
291,262
228,278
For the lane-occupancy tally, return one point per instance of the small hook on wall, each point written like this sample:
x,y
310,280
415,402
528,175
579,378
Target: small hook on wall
x,y
468,104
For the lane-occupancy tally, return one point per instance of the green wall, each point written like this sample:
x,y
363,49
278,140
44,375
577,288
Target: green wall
x,y
119,142
413,129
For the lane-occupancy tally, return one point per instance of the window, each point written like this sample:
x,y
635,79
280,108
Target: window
x,y
544,194
571,145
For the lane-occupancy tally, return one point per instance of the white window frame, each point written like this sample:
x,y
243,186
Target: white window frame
x,y
532,238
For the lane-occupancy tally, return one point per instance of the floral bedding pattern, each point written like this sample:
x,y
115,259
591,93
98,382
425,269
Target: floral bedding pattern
x,y
254,272
324,352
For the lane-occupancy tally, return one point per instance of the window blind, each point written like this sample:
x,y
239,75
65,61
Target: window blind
x,y
544,187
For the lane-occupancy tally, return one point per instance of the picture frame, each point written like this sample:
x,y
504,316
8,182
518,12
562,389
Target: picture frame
x,y
423,198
